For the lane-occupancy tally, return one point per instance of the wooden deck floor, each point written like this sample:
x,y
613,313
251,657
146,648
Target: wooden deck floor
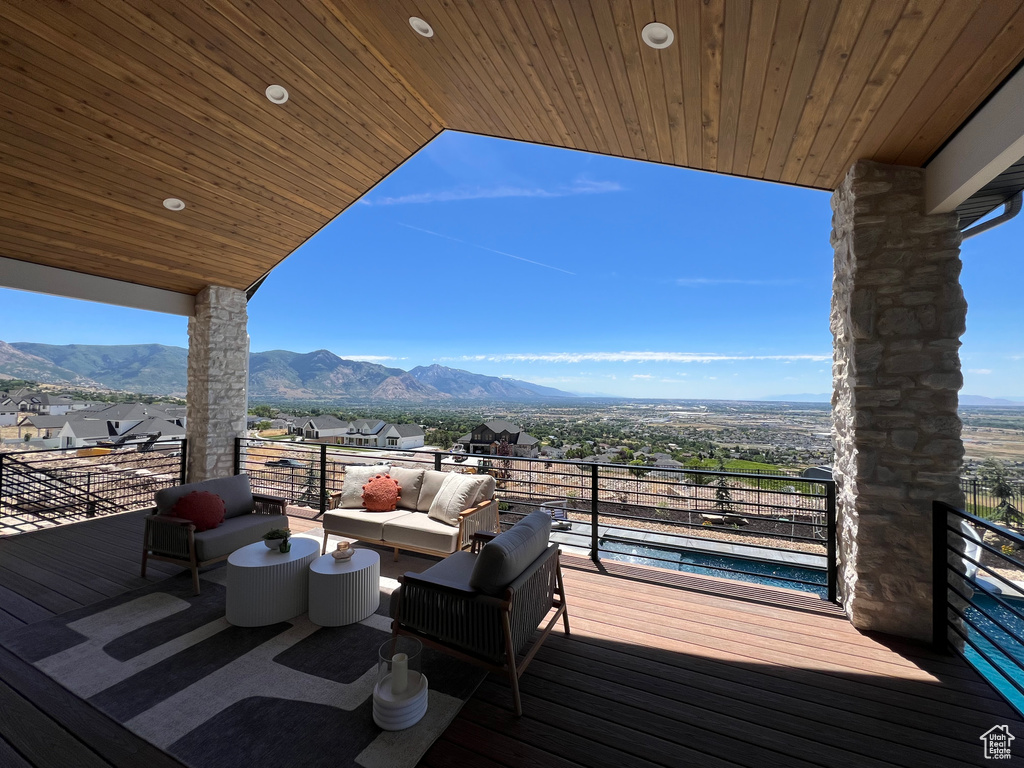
x,y
662,669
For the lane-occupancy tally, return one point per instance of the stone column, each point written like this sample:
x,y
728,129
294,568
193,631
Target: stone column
x,y
898,312
218,376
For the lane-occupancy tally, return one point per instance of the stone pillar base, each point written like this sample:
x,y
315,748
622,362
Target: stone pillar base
x,y
898,312
218,376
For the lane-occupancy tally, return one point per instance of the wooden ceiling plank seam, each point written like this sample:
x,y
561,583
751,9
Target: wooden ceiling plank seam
x,y
149,140
896,121
525,16
413,64
396,128
734,55
489,23
763,20
686,52
74,136
46,196
451,45
588,60
32,175
239,101
813,39
712,26
337,41
849,21
792,20
150,84
500,80
77,262
442,51
611,80
40,149
654,81
492,16
621,41
558,36
674,89
977,32
968,94
386,73
45,237
878,27
73,223
907,35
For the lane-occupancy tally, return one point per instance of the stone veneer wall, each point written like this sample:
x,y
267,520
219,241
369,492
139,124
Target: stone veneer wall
x,y
898,312
218,375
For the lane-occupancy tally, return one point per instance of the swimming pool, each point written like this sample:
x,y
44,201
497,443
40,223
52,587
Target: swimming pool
x,y
690,561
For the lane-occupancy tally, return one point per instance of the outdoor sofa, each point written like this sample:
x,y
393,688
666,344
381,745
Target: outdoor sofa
x,y
247,516
420,521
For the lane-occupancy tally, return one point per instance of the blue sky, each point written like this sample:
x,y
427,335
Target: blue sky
x,y
582,272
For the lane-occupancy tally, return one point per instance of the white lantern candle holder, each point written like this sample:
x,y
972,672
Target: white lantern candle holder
x,y
400,696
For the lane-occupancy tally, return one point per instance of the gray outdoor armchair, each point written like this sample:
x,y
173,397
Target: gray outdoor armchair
x,y
247,516
484,606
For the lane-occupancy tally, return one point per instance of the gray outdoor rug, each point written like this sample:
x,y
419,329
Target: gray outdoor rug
x,y
168,666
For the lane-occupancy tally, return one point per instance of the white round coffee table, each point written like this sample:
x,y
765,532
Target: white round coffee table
x,y
266,586
344,591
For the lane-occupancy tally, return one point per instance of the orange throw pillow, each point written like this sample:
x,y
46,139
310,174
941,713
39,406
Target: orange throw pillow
x,y
203,508
381,494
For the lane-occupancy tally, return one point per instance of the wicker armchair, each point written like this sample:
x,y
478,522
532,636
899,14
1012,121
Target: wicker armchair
x,y
442,609
247,517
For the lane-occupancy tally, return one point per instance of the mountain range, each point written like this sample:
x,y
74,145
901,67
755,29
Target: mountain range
x,y
277,375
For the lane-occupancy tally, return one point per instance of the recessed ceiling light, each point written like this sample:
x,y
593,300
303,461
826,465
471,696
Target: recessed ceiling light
x,y
420,27
174,204
277,94
658,35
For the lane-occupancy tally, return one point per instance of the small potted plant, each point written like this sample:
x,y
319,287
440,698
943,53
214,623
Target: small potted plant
x,y
279,539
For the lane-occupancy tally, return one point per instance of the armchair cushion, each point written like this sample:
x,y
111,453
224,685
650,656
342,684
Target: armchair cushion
x,y
355,478
420,531
505,557
204,509
457,492
234,489
234,533
485,489
410,481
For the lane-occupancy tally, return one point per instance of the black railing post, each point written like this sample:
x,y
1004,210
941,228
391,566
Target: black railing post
x,y
974,488
940,578
437,461
595,555
831,511
323,478
183,469
1,478
238,455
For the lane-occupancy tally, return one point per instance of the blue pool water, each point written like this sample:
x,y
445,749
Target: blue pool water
x,y
758,571
1005,649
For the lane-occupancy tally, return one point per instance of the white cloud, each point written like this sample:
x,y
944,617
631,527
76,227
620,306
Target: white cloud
x,y
485,248
630,357
370,358
578,187
643,376
980,371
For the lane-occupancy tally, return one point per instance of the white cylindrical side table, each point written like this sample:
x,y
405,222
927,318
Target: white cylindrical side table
x,y
266,586
344,591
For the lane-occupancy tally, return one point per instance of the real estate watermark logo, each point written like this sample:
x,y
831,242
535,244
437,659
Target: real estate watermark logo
x,y
997,741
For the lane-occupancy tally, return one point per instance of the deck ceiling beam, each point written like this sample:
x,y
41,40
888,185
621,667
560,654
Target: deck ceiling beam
x,y
39,278
988,144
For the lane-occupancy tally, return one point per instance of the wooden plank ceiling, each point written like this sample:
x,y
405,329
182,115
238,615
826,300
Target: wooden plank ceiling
x,y
110,106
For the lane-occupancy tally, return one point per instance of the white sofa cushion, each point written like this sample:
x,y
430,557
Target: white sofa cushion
x,y
420,531
457,492
410,481
432,480
485,490
358,523
355,478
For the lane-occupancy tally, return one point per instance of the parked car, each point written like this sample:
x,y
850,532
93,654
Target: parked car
x,y
295,463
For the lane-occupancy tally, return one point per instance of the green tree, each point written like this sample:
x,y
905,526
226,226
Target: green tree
x,y
994,476
264,411
635,468
723,496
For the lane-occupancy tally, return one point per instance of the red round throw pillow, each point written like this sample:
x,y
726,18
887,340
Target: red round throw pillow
x,y
381,494
203,508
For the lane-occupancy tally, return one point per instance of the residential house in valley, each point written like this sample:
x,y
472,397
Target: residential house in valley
x,y
367,433
485,438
